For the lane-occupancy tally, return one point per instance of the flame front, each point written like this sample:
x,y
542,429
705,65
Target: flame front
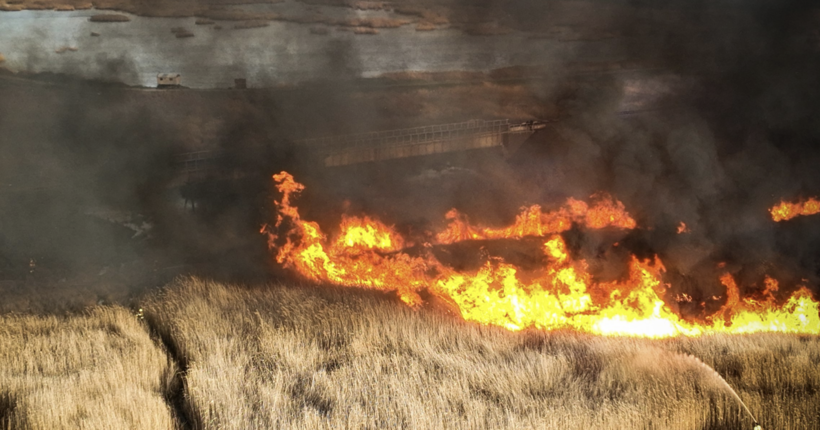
x,y
786,211
533,221
561,294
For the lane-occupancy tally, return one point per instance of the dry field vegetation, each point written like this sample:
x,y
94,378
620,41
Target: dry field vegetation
x,y
100,370
323,357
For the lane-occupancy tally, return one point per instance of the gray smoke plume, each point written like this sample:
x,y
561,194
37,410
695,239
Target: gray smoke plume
x,y
732,132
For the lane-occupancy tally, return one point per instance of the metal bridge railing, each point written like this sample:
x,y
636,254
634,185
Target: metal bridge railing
x,y
405,136
199,161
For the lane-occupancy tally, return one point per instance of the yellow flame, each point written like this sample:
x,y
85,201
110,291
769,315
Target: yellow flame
x,y
533,221
786,211
561,294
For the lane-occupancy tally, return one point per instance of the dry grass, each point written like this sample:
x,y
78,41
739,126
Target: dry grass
x,y
365,30
100,370
326,357
425,26
278,357
431,14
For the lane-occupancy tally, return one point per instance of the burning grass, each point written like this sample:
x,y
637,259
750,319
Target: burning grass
x,y
561,294
785,211
283,357
99,370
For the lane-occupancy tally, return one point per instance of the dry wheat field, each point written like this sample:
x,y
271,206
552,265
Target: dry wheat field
x,y
205,355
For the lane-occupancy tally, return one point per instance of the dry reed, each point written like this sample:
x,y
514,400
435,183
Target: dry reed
x,y
326,357
100,370
279,357
425,26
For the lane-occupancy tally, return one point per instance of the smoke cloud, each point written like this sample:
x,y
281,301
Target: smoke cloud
x,y
732,131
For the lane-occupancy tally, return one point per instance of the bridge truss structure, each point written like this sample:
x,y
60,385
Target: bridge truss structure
x,y
351,149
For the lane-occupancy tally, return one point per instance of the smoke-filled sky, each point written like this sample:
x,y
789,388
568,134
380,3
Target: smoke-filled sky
x,y
732,131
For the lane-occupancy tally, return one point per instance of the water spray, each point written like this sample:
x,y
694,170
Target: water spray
x,y
723,383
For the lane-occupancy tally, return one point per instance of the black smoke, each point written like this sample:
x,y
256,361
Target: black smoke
x,y
738,136
732,132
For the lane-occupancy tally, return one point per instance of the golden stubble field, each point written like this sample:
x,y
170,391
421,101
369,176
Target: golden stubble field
x,y
213,356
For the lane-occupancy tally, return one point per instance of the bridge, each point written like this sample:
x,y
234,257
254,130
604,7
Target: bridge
x,y
428,140
351,149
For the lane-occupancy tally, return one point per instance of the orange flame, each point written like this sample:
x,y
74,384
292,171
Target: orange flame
x,y
682,228
798,315
533,221
786,211
359,256
561,294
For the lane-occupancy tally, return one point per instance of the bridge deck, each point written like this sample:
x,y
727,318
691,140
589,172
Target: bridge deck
x,y
411,135
382,145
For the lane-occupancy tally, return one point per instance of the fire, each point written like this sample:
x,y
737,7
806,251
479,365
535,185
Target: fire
x,y
786,211
562,297
560,294
533,221
366,234
682,228
797,315
362,255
